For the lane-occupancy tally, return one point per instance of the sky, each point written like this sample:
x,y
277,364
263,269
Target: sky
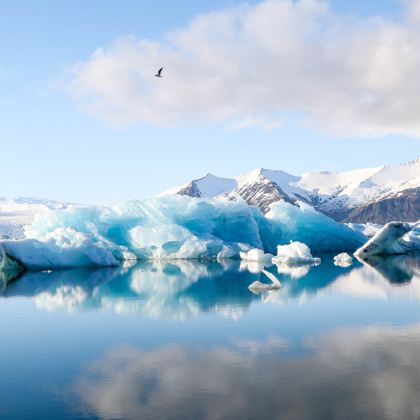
x,y
302,85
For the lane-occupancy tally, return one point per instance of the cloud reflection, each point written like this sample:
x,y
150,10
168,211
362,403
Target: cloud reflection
x,y
370,373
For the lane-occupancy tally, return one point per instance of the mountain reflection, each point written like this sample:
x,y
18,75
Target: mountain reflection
x,y
371,373
183,289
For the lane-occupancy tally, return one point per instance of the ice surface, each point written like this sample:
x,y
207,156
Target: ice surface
x,y
9,269
304,224
343,260
173,227
256,254
16,213
294,254
393,238
367,229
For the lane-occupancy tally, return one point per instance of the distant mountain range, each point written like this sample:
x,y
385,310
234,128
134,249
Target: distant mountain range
x,y
377,195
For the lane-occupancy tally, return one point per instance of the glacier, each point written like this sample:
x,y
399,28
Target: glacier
x,y
172,227
393,238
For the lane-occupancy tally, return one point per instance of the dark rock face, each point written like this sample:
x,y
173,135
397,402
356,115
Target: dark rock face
x,y
262,193
191,190
405,206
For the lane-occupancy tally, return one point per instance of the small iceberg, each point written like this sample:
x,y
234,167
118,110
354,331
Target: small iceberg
x,y
295,253
343,260
394,238
258,287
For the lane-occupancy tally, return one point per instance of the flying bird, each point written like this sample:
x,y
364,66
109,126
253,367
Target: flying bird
x,y
159,73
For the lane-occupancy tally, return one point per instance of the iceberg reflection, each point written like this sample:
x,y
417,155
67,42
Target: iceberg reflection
x,y
183,289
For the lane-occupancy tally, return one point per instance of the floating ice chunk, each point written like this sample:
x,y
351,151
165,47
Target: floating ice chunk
x,y
294,254
343,260
256,254
393,238
258,287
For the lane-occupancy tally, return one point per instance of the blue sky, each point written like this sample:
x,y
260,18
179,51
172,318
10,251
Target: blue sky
x,y
53,148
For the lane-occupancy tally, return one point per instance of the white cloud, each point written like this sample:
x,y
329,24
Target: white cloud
x,y
253,65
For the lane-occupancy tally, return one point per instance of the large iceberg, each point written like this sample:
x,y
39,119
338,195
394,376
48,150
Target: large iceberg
x,y
393,238
172,227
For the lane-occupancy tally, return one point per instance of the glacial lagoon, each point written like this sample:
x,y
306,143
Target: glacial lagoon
x,y
188,340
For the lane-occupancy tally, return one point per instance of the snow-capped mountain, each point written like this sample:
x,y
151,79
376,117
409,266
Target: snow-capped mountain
x,y
376,195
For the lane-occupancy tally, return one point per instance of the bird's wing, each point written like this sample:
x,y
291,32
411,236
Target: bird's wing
x,y
272,277
160,71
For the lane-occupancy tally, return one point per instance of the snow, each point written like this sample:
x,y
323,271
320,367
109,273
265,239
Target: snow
x,y
172,227
209,186
294,254
336,183
393,238
343,260
355,187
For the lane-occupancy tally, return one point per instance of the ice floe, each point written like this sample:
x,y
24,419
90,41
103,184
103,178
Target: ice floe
x,y
343,260
294,253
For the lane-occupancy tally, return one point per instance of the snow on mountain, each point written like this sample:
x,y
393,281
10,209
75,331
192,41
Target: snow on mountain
x,y
208,186
377,195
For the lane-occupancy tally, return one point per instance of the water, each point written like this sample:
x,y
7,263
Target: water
x,y
188,340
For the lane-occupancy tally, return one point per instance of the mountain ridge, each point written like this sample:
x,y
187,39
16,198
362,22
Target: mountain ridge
x,y
377,195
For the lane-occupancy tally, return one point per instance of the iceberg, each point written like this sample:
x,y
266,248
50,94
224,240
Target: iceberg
x,y
256,255
295,253
9,269
173,227
393,238
303,223
343,260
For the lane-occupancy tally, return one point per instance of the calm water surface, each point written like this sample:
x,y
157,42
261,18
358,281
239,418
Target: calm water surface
x,y
188,340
